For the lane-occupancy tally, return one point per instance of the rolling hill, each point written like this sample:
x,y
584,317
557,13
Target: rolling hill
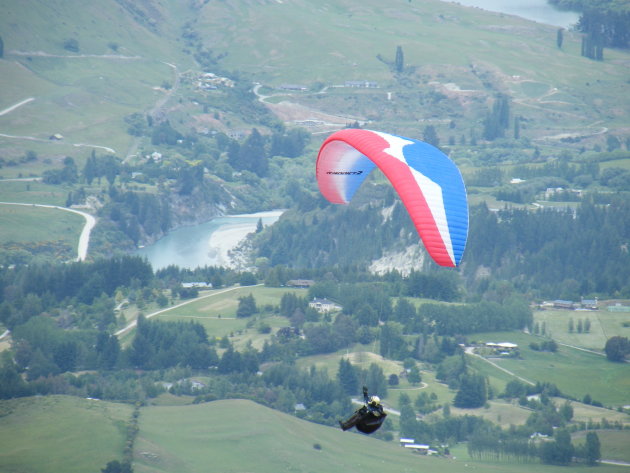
x,y
102,63
47,434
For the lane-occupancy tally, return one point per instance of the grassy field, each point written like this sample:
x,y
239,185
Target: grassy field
x,y
614,443
24,224
237,435
217,313
604,325
575,372
60,433
32,192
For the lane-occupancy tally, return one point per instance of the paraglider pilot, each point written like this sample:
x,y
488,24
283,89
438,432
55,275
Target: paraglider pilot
x,y
369,417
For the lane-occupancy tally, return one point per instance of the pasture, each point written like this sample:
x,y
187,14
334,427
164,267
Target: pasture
x,y
604,324
32,192
239,435
614,443
216,311
362,356
19,224
575,372
60,433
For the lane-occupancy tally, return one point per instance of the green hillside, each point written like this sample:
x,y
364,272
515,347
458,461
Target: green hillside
x,y
63,433
121,53
82,89
464,53
238,435
60,433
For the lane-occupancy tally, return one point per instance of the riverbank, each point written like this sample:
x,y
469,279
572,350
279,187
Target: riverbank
x,y
206,244
230,235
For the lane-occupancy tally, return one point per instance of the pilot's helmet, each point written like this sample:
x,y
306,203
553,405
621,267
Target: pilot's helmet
x,y
375,400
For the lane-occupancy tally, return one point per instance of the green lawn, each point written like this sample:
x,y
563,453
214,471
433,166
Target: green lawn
x,y
240,436
216,311
614,443
21,224
575,372
604,325
498,411
617,163
60,433
63,433
32,192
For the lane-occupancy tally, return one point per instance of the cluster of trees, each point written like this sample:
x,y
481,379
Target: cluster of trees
x,y
99,166
546,420
537,250
478,317
492,443
254,152
68,174
447,428
159,345
35,289
138,215
498,119
512,244
617,348
334,235
604,23
546,345
582,326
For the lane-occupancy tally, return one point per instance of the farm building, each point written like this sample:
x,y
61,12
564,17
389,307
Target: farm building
x,y
561,304
502,348
302,283
323,305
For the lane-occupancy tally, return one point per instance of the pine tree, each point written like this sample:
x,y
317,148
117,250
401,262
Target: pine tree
x,y
473,392
246,306
430,136
559,38
252,156
348,378
90,169
593,450
400,61
1,47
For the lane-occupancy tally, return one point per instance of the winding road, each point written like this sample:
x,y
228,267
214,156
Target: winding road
x,y
84,238
471,351
189,301
13,107
42,140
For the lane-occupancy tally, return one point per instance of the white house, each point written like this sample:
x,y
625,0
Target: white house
x,y
323,305
421,449
197,284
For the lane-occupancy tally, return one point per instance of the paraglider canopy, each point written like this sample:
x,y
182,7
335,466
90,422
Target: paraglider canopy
x,y
427,181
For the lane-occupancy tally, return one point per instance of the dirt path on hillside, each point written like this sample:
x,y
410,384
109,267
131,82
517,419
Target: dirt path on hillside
x,y
294,113
42,140
156,111
13,107
75,56
471,351
84,238
161,311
